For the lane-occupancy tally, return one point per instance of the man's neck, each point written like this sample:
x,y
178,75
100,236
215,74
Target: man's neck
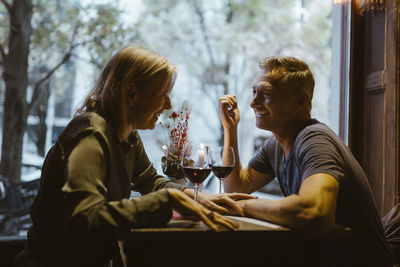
x,y
287,136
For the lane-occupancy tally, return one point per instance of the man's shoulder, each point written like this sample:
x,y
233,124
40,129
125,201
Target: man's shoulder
x,y
316,128
271,149
317,136
270,143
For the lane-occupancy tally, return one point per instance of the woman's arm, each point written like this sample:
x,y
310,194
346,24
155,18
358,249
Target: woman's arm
x,y
89,213
91,217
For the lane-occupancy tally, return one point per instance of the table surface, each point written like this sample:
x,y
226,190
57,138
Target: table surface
x,y
256,243
249,228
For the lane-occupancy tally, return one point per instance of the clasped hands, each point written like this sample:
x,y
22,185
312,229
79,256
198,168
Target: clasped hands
x,y
210,207
227,203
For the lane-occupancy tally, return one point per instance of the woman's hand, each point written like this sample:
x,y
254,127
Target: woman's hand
x,y
188,208
226,203
223,203
228,111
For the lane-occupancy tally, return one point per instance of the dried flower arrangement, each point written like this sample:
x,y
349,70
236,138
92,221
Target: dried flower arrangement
x,y
177,127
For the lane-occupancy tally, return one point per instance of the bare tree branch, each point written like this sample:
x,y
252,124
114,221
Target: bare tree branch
x,y
6,4
229,15
211,98
36,87
90,60
199,13
3,54
83,43
74,32
66,57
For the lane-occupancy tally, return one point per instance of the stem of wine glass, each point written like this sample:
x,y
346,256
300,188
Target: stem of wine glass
x,y
221,185
196,192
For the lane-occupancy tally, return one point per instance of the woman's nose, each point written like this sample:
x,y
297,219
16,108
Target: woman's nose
x,y
167,104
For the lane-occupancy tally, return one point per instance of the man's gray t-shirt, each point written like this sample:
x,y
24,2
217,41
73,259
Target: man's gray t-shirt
x,y
317,149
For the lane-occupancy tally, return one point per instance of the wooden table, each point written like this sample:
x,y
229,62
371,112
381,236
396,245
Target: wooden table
x,y
256,243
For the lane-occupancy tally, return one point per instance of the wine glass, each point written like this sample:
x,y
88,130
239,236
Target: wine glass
x,y
195,166
222,160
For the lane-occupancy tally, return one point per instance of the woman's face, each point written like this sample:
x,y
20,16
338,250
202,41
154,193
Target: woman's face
x,y
149,104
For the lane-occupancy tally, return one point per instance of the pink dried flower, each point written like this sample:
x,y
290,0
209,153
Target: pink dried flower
x,y
178,126
178,133
173,115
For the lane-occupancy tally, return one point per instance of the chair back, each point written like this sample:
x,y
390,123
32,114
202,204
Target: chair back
x,y
391,225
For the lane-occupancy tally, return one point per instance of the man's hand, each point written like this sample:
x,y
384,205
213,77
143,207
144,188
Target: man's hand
x,y
224,203
188,208
228,111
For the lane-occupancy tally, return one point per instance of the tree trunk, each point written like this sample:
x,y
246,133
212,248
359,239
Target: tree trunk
x,y
39,108
16,79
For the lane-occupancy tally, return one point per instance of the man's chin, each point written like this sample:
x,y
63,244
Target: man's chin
x,y
261,125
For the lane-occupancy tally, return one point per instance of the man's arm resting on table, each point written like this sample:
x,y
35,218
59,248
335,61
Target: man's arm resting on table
x,y
312,210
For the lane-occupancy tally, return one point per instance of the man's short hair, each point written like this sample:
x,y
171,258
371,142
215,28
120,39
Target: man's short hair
x,y
289,72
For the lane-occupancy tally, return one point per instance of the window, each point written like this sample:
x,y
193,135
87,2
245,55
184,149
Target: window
x,y
216,46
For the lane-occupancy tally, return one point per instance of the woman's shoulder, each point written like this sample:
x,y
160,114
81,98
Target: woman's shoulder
x,y
91,120
84,124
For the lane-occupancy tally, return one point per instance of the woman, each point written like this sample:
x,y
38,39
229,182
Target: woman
x,y
83,202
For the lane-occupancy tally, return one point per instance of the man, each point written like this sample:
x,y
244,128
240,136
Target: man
x,y
321,180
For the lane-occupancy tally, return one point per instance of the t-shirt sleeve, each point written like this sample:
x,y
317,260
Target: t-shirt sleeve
x,y
317,152
260,161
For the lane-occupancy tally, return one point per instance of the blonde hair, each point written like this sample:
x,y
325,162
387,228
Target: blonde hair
x,y
131,66
290,72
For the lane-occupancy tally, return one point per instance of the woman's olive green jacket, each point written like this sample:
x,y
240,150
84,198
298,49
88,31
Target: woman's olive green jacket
x,y
83,204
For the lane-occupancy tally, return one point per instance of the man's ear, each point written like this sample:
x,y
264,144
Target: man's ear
x,y
302,99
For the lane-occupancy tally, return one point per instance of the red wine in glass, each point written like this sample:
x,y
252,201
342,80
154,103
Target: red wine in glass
x,y
222,160
195,165
196,175
221,171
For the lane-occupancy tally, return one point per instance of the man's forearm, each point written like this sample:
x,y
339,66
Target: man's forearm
x,y
291,212
232,181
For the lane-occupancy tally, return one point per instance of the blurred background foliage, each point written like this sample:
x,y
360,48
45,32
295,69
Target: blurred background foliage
x,y
216,45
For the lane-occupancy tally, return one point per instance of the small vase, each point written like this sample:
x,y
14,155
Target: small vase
x,y
172,168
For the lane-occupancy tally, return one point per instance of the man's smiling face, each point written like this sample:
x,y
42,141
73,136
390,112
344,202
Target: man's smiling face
x,y
272,105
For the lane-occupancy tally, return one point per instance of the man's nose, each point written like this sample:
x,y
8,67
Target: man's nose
x,y
254,100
